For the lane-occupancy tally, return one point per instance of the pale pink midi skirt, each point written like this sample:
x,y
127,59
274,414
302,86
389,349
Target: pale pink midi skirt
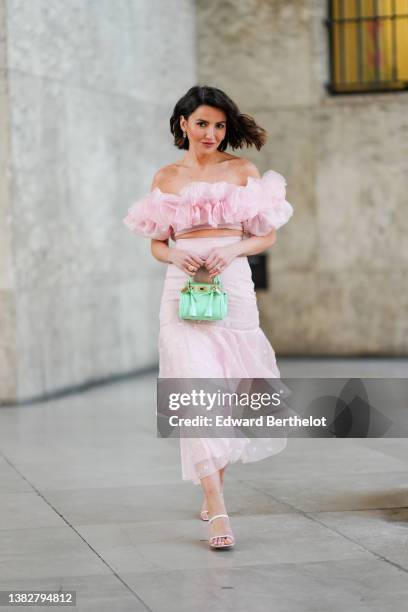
x,y
235,347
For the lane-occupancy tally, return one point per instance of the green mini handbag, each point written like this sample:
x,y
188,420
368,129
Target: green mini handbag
x,y
203,301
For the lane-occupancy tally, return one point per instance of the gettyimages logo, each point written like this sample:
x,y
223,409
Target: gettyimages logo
x,y
297,407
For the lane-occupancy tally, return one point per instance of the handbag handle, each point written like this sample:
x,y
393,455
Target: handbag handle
x,y
214,281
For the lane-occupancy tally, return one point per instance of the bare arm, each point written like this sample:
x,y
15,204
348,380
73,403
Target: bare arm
x,y
159,248
254,244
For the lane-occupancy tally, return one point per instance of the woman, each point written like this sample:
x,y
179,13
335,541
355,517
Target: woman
x,y
218,209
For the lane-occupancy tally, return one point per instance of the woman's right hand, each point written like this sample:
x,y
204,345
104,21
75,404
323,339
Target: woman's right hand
x,y
188,261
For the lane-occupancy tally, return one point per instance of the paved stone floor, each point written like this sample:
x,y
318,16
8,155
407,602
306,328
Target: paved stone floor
x,y
92,500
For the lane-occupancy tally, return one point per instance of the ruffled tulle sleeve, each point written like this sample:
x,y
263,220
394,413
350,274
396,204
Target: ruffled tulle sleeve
x,y
259,206
265,203
151,215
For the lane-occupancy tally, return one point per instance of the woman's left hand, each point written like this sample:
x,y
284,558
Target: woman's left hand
x,y
219,258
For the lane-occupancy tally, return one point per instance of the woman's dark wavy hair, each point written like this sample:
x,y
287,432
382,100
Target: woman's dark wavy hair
x,y
240,129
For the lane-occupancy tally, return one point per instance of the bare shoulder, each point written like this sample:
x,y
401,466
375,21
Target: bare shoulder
x,y
164,176
247,169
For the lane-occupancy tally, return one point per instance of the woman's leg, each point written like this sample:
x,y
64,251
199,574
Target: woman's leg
x,y
222,470
204,507
215,503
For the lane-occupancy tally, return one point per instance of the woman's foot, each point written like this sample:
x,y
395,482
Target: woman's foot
x,y
220,532
204,510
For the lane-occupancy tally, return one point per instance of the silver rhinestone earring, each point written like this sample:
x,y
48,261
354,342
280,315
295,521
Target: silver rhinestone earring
x,y
184,134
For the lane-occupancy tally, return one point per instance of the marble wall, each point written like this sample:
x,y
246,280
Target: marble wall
x,y
338,270
86,88
8,357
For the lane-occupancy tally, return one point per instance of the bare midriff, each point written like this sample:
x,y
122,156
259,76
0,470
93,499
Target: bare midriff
x,y
211,232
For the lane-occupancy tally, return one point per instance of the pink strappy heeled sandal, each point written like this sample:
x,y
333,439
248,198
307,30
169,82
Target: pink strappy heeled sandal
x,y
223,535
204,516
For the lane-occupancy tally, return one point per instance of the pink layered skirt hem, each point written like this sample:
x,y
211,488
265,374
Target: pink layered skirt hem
x,y
235,347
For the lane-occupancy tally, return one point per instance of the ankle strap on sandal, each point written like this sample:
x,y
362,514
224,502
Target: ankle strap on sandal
x,y
217,516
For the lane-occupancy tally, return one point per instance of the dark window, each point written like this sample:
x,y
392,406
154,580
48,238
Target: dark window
x,y
368,42
257,264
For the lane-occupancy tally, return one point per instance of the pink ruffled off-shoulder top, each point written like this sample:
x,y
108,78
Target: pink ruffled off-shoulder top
x,y
257,208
